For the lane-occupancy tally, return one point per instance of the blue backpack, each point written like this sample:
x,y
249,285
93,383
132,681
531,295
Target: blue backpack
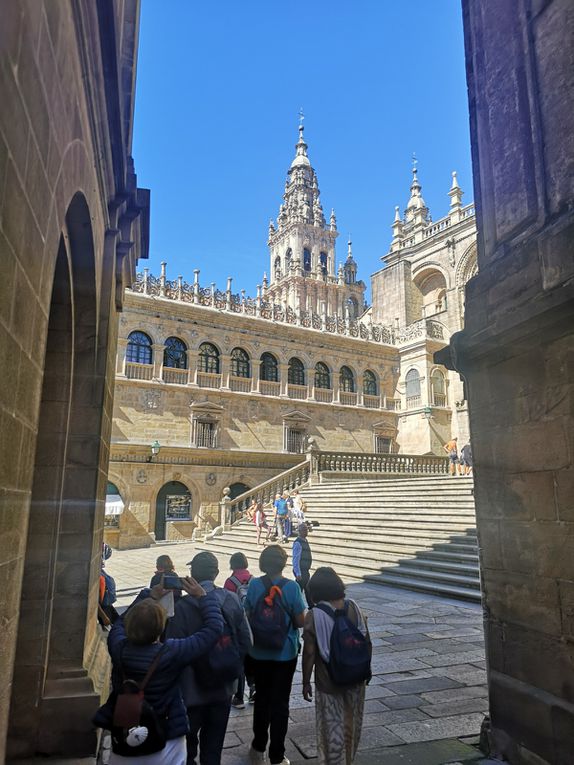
x,y
223,663
349,650
267,619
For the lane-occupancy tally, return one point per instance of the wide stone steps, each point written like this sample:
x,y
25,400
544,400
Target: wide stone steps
x,y
417,533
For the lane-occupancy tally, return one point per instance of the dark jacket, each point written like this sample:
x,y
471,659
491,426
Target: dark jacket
x,y
188,619
162,691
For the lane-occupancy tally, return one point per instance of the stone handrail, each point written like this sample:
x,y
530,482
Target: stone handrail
x,y
341,462
233,510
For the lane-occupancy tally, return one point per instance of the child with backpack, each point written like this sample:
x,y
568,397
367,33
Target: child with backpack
x,y
337,645
275,609
238,583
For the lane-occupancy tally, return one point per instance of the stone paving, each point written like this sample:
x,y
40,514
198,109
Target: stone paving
x,y
428,696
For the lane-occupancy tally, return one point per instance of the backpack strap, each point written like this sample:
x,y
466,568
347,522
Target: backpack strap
x,y
236,581
152,668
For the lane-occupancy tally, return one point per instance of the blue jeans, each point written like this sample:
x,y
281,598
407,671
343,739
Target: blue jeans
x,y
207,723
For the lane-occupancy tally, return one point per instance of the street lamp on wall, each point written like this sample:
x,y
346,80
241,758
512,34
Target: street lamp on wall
x,y
155,447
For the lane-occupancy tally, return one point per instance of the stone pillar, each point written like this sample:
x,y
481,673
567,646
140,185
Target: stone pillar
x,y
158,349
225,367
255,369
516,354
225,509
283,378
121,356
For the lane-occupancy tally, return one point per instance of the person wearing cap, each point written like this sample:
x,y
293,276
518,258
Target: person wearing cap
x,y
207,708
302,560
273,669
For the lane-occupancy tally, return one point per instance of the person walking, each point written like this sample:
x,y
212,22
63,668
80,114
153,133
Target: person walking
x,y
276,610
238,583
208,703
302,561
466,459
134,646
260,521
281,516
338,708
451,448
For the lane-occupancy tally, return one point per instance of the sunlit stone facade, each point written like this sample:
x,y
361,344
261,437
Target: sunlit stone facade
x,y
233,387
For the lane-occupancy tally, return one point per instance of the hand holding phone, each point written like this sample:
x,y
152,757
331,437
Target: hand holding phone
x,y
171,582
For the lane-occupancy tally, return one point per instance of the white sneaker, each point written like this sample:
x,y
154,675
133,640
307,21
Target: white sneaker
x,y
255,756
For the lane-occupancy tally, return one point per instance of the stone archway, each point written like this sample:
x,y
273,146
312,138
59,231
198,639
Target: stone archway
x,y
61,565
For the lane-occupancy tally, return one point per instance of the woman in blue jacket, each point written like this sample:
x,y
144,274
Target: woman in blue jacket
x,y
134,642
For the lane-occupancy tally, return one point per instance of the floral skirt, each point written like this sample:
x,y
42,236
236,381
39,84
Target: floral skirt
x,y
339,722
173,753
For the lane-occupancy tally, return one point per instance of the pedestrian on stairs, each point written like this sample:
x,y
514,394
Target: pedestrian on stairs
x,y
302,561
451,448
281,516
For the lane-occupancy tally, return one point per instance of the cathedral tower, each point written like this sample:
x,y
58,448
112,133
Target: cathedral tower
x,y
302,268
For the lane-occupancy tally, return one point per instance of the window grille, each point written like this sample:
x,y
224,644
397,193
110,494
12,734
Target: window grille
x,y
382,444
208,358
205,434
347,380
139,348
294,440
296,372
269,370
370,383
240,366
175,353
322,375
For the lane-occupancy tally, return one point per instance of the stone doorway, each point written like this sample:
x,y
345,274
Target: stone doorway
x,y
170,495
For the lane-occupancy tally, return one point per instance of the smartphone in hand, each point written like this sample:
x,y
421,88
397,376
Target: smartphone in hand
x,y
172,583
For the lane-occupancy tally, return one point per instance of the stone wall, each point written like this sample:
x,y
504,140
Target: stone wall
x,y
517,353
69,205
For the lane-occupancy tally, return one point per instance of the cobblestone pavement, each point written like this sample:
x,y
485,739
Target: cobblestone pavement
x,y
427,699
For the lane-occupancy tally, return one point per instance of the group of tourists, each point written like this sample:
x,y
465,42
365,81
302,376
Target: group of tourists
x,y
280,519
187,650
459,463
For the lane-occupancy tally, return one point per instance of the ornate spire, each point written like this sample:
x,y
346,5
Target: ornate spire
x,y
301,157
333,220
455,192
417,211
349,248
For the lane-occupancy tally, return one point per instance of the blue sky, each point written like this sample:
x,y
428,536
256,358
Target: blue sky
x,y
219,88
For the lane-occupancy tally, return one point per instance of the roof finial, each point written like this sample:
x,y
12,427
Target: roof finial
x,y
349,248
415,162
301,126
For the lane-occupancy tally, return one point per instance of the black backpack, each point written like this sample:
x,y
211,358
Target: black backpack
x,y
223,663
137,729
349,650
267,619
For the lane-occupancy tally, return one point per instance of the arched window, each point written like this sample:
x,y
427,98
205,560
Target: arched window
x,y
353,307
438,388
288,258
208,358
277,267
306,259
347,380
413,388
323,262
296,372
370,383
269,369
139,348
175,353
322,375
240,366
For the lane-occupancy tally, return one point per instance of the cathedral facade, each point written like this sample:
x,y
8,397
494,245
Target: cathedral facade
x,y
229,389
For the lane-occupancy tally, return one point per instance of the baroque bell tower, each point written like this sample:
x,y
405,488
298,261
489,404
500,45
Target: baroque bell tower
x,y
302,267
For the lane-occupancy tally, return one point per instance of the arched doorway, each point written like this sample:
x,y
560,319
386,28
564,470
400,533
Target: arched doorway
x,y
173,503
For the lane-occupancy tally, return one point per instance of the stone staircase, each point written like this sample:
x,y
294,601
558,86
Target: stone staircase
x,y
418,533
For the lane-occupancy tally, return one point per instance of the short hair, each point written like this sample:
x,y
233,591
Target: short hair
x,y
238,560
164,561
144,622
204,566
326,584
272,560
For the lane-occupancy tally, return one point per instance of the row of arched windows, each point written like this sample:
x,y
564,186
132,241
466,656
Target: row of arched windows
x,y
139,350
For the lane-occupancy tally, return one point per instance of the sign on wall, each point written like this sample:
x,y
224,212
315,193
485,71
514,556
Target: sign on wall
x,y
178,507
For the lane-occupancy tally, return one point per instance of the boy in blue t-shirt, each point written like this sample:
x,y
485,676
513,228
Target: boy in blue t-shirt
x,y
273,669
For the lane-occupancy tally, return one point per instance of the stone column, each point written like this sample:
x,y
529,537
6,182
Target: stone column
x,y
283,377
158,349
225,369
121,357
